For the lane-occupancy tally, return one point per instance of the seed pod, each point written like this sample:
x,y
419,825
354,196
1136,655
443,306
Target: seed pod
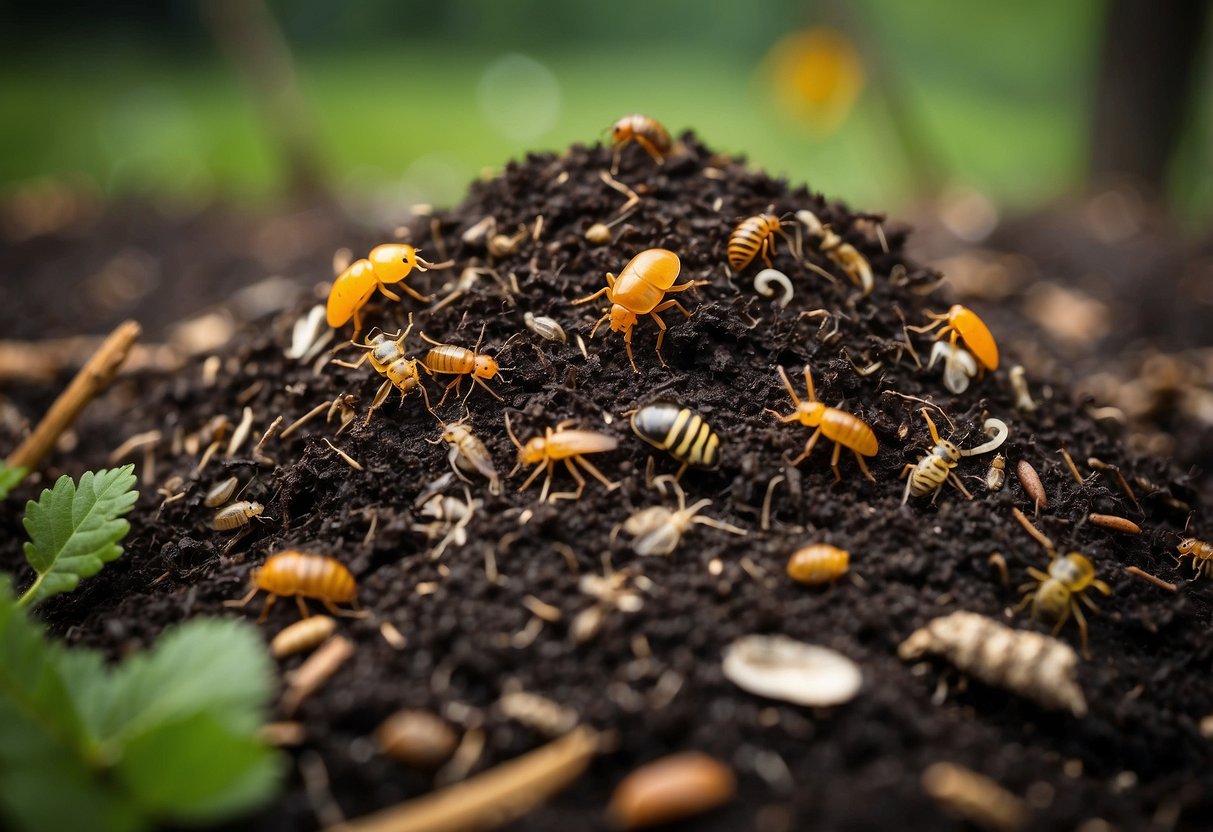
x,y
302,635
598,234
783,668
818,563
545,327
220,492
1029,664
997,475
672,788
1116,524
416,738
1031,483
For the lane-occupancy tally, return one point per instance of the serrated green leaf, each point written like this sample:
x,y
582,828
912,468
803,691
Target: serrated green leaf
x,y
10,478
195,770
74,530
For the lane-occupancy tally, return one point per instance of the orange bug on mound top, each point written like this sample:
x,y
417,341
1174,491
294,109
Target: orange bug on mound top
x,y
386,264
639,290
646,132
964,325
303,575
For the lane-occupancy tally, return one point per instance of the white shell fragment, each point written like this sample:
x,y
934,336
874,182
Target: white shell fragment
x,y
306,332
783,668
958,365
765,282
1026,663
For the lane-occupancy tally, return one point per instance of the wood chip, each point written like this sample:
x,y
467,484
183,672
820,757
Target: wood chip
x,y
392,636
1032,485
349,460
133,443
541,610
1151,579
494,798
975,797
1116,524
314,672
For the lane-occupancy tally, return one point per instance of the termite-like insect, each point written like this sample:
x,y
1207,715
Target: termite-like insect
x,y
386,356
561,444
753,236
641,286
646,132
844,255
303,575
963,324
1055,595
929,474
680,432
1200,552
658,530
236,515
844,429
818,563
997,475
302,635
220,492
452,360
467,452
386,264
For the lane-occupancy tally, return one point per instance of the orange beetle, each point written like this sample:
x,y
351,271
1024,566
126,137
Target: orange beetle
x,y
388,263
303,575
752,235
562,444
646,132
837,425
818,563
964,325
639,291
452,360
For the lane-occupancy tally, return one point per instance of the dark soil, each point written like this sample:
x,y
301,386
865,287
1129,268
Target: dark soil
x,y
1136,759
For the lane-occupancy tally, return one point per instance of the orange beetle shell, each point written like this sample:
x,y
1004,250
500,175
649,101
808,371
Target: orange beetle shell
x,y
644,280
849,431
975,334
818,563
630,127
351,290
313,576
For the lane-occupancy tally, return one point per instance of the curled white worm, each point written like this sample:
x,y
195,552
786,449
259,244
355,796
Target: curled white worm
x,y
997,430
958,365
766,277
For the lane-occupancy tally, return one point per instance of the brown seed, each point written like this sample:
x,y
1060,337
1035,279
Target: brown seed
x,y
598,234
672,788
417,738
818,563
1031,483
1116,524
302,635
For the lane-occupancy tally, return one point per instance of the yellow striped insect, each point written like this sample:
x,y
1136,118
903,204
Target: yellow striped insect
x,y
452,360
929,474
818,563
561,444
843,428
646,132
752,236
679,431
386,356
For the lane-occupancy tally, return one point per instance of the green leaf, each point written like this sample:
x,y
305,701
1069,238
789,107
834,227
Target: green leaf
x,y
195,769
74,530
10,478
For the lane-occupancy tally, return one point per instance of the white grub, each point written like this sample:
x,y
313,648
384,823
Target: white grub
x,y
765,282
545,327
538,712
657,530
958,365
220,492
303,635
998,432
783,668
306,332
1027,663
974,797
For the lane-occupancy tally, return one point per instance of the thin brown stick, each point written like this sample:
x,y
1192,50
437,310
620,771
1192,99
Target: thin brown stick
x,y
1116,524
1036,533
493,798
1100,465
1151,579
1070,464
93,377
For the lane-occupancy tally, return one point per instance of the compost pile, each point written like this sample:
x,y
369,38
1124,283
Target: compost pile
x,y
649,672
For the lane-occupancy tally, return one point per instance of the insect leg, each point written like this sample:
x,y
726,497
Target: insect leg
x,y
593,469
303,611
413,293
1082,628
550,467
650,148
265,610
834,462
808,448
388,293
768,248
482,383
571,495
589,298
535,473
243,601
863,465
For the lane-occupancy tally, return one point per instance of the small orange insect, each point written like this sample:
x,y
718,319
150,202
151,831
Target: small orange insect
x,y
386,355
818,563
1200,552
561,444
837,425
642,284
752,236
452,360
646,132
303,575
964,325
386,264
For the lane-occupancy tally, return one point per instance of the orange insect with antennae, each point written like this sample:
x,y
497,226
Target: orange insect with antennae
x,y
838,425
566,445
646,132
452,360
387,264
963,324
639,290
386,355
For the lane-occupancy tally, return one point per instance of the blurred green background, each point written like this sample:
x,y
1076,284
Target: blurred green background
x,y
407,101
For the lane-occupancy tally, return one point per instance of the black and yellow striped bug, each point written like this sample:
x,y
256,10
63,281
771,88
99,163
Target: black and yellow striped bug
x,y
752,236
680,432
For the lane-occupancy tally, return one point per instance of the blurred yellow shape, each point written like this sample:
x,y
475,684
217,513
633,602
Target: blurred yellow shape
x,y
817,74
